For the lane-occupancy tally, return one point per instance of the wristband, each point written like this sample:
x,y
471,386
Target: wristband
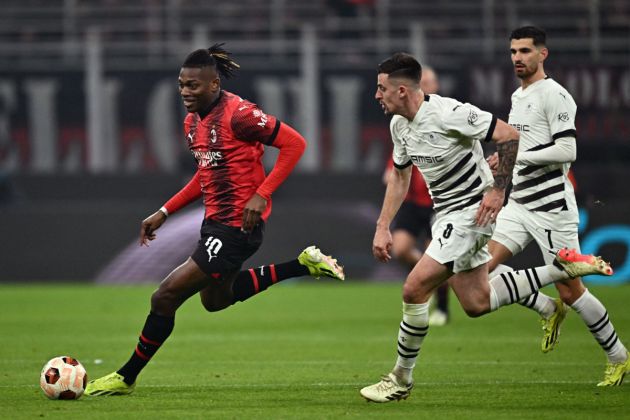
x,y
163,210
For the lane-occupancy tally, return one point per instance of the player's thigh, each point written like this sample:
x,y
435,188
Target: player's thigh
x,y
423,279
511,231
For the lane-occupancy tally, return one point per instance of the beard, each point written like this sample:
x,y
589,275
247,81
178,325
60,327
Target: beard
x,y
525,72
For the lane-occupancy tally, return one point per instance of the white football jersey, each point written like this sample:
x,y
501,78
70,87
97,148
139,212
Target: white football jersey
x,y
542,113
443,141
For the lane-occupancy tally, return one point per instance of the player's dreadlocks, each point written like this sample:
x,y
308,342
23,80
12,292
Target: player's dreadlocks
x,y
216,56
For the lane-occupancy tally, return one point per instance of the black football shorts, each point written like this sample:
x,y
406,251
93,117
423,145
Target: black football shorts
x,y
223,249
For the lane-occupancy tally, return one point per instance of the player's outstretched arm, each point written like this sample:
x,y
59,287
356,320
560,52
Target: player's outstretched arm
x,y
506,139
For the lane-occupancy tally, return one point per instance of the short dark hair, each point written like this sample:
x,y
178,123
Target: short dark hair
x,y
402,65
215,56
537,34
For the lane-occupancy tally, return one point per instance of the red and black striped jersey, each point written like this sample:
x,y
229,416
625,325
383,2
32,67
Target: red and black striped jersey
x,y
228,147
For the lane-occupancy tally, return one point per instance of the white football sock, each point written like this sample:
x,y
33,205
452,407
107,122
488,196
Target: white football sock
x,y
413,329
500,268
512,286
595,317
541,303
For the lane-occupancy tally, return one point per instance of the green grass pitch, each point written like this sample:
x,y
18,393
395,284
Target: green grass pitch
x,y
302,350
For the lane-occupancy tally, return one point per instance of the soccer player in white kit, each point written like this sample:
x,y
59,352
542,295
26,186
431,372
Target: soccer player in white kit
x,y
442,136
542,203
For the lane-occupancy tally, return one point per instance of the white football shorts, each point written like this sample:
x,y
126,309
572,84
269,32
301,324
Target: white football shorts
x,y
516,227
457,239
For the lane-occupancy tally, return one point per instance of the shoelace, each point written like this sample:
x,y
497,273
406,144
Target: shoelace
x,y
386,384
544,325
610,369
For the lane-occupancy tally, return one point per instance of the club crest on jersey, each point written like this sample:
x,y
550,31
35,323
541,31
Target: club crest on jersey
x,y
472,117
213,135
563,116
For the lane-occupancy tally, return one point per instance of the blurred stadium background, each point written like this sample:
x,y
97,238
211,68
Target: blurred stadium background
x,y
90,119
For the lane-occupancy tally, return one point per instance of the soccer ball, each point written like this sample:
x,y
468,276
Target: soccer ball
x,y
63,378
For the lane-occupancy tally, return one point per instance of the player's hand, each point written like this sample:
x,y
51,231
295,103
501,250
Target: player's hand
x,y
252,212
149,226
490,207
493,161
382,244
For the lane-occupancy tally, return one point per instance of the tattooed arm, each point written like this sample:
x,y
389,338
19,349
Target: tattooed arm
x,y
506,151
506,138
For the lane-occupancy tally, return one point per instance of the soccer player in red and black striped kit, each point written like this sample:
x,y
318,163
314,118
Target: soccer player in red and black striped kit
x,y
226,135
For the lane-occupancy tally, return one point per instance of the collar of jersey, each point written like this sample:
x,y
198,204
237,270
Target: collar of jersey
x,y
212,105
534,85
420,113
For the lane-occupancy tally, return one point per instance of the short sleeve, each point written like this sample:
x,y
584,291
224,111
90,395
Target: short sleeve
x,y
250,123
466,120
399,154
560,110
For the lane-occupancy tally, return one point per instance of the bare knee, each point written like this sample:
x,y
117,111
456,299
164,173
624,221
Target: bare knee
x,y
476,311
218,296
165,301
414,294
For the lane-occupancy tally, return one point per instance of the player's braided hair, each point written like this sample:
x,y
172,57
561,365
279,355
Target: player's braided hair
x,y
216,56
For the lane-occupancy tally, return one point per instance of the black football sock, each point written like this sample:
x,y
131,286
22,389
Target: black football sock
x,y
156,330
255,280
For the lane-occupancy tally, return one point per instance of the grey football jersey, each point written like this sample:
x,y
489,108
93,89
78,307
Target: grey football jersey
x,y
443,141
542,113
